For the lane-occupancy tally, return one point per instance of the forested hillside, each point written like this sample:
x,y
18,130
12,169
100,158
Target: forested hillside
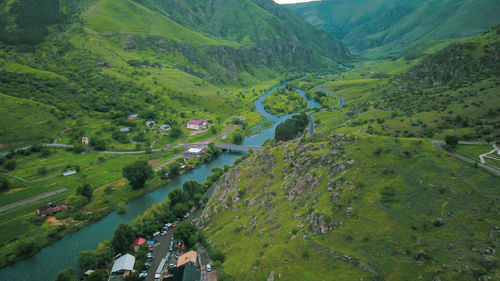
x,y
102,60
385,27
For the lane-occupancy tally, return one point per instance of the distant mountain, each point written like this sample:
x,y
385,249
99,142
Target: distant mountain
x,y
381,27
111,56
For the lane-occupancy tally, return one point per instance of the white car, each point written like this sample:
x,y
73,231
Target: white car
x,y
209,267
143,274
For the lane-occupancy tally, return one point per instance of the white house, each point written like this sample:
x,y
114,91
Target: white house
x,y
197,125
193,152
123,264
150,124
165,127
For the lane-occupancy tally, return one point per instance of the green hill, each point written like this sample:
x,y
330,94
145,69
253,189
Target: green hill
x,y
103,60
380,27
354,207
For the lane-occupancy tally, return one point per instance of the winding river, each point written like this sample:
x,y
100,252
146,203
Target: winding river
x,y
63,254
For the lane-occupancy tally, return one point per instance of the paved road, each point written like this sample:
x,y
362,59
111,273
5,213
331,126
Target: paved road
x,y
443,146
23,202
161,249
312,126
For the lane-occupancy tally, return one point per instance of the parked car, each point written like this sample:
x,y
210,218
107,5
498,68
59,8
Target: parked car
x,y
209,267
147,265
143,274
172,265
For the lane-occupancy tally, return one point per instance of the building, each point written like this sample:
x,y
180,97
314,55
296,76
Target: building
x,y
138,242
185,272
69,173
150,124
125,130
122,266
165,127
133,117
85,140
197,125
51,209
193,152
190,257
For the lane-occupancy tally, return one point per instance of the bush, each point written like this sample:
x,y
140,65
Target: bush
x,y
451,140
4,184
66,275
138,173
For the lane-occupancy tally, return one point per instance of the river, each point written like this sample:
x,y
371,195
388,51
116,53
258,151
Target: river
x,y
64,253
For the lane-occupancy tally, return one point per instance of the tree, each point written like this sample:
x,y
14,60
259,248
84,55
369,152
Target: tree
x,y
75,202
451,140
88,260
188,233
138,173
175,132
180,209
237,138
66,275
4,184
174,170
98,143
98,275
85,191
191,187
123,238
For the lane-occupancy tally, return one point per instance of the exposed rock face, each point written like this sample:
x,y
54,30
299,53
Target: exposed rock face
x,y
421,255
319,225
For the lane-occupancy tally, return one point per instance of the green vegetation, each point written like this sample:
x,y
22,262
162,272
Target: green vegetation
x,y
138,173
353,207
290,129
284,101
379,28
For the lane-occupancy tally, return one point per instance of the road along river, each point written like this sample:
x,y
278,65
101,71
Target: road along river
x,y
64,253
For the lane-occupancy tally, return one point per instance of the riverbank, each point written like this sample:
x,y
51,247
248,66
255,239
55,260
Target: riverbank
x,y
62,254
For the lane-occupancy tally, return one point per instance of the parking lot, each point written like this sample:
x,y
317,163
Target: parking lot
x,y
161,250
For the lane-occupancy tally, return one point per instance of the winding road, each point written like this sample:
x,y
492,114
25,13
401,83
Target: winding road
x,y
490,168
311,121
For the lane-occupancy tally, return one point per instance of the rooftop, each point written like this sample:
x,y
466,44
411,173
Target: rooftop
x,y
125,262
195,122
195,150
187,257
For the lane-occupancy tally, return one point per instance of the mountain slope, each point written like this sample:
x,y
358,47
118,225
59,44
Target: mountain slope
x,y
351,208
374,28
108,59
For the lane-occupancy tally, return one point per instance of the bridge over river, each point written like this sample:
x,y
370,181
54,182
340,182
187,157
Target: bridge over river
x,y
238,147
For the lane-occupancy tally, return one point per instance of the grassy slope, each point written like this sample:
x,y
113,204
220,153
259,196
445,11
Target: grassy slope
x,y
376,102
25,120
395,199
379,28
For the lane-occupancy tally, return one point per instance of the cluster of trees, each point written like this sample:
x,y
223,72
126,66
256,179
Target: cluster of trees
x,y
138,173
31,19
291,128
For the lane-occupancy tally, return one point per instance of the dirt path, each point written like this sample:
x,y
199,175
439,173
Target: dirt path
x,y
153,143
24,202
16,177
60,135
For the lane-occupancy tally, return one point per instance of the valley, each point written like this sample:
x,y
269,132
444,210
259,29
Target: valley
x,y
328,140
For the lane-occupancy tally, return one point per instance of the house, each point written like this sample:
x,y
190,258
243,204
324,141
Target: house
x,y
185,272
193,152
123,265
125,130
85,140
165,127
190,257
51,209
150,124
197,125
138,242
133,117
69,173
